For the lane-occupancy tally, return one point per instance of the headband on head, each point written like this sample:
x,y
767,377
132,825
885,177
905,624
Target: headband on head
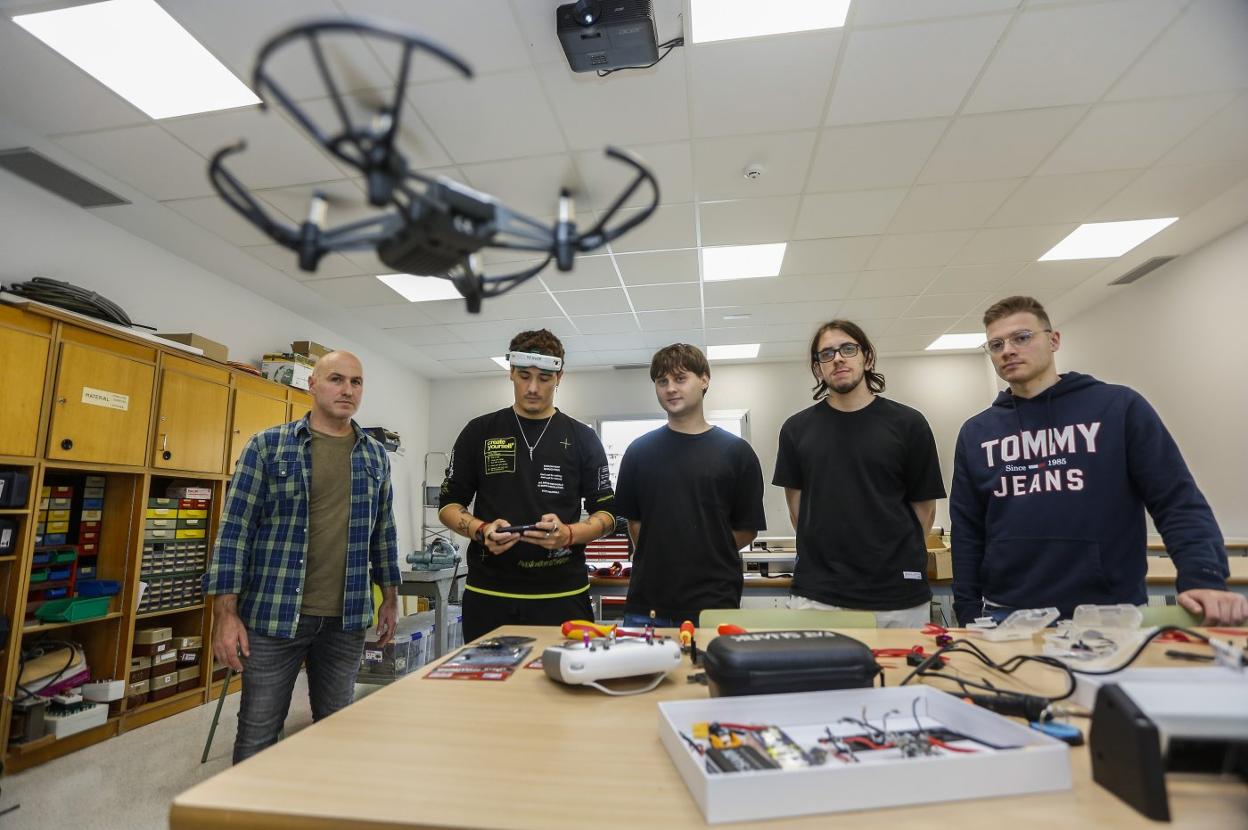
x,y
542,362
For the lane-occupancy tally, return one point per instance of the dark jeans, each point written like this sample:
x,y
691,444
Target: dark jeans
x,y
632,620
484,613
333,658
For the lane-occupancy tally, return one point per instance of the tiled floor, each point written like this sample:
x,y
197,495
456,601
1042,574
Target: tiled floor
x,y
128,782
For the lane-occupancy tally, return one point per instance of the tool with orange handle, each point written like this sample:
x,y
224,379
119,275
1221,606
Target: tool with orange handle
x,y
729,628
686,634
576,629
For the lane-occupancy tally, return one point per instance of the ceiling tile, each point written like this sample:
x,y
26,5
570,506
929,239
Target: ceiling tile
x,y
608,342
474,366
448,349
147,158
434,336
686,318
1172,191
216,216
958,279
1203,51
783,350
902,11
1000,145
781,158
1023,244
1061,274
286,261
606,323
393,316
733,86
661,297
510,307
1045,200
1132,134
670,227
906,282
916,71
930,326
1221,138
659,339
944,305
749,334
901,344
778,290
606,178
827,256
624,357
918,250
277,153
873,155
513,99
353,292
878,308
658,267
529,185
852,213
588,107
594,301
534,284
807,314
587,272
481,332
943,207
747,221
1067,55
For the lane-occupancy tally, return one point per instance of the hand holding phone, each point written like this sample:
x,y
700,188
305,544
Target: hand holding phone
x,y
515,529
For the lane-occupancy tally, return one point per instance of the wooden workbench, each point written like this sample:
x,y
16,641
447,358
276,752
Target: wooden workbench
x,y
530,754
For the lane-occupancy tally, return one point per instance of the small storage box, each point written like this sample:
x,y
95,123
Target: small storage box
x,y
8,536
188,678
137,692
164,685
778,662
14,488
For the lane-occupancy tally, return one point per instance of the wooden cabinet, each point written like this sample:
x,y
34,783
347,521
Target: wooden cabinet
x,y
252,413
100,407
190,424
22,373
300,405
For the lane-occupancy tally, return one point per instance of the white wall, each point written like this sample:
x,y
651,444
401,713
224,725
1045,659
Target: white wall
x,y
1177,336
946,388
42,235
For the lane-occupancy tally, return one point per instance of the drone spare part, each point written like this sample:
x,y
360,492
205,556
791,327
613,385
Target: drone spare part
x,y
525,360
429,225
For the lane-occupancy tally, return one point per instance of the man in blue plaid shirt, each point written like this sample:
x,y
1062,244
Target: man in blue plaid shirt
x,y
306,529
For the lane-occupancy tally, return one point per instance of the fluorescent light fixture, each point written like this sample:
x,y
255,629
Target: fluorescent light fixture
x,y
738,351
501,361
136,49
728,19
736,316
1102,240
421,289
957,341
742,262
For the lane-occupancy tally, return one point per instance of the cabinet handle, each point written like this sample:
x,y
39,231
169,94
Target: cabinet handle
x,y
67,444
238,432
164,442
60,401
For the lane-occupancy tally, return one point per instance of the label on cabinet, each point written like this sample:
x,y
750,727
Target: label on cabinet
x,y
108,400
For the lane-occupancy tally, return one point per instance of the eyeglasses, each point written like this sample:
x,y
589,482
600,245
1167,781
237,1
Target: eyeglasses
x,y
1018,340
845,350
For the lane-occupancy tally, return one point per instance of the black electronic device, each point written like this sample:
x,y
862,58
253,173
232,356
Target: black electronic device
x,y
515,529
777,662
432,226
601,35
14,488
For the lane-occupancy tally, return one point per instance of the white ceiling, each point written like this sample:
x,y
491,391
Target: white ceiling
x,y
917,161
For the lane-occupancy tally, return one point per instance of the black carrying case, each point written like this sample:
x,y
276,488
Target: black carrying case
x,y
14,487
777,662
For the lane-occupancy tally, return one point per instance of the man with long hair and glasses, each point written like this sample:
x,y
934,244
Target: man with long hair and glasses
x,y
1051,482
861,477
530,468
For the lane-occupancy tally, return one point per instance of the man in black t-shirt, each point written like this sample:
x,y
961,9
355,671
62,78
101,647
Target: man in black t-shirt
x,y
861,477
528,464
693,497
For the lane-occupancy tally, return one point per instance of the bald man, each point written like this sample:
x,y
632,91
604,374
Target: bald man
x,y
307,526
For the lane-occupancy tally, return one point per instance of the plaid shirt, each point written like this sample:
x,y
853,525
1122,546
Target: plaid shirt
x,y
263,539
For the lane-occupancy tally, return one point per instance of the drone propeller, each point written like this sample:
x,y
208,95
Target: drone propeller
x,y
435,226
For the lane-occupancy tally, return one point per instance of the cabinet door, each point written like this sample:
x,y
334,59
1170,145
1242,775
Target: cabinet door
x,y
300,405
252,413
101,407
25,365
190,428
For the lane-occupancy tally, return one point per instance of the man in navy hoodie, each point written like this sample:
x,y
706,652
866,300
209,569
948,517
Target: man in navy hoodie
x,y
1051,482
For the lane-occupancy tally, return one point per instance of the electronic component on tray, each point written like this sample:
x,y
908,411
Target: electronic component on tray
x,y
425,224
578,663
742,758
775,744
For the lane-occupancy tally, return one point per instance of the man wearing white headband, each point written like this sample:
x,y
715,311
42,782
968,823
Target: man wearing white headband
x,y
529,467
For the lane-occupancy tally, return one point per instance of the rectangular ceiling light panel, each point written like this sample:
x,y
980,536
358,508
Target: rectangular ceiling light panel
x,y
730,19
742,262
957,341
1105,240
738,351
421,289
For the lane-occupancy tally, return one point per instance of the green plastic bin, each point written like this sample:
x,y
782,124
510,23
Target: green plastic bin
x,y
73,609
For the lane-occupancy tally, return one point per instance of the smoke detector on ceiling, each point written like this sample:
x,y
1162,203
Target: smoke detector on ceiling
x,y
753,172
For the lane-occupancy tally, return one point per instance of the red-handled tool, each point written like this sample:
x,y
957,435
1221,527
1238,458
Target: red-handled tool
x,y
729,628
686,633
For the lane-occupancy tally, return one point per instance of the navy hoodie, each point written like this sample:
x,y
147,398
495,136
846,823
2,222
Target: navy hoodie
x,y
1048,500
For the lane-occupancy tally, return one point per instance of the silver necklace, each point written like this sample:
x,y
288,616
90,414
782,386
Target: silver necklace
x,y
525,438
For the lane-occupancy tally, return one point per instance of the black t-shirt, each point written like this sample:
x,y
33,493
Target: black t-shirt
x,y
689,492
491,462
859,543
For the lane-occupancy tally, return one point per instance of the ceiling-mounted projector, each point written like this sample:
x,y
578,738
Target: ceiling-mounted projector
x,y
607,34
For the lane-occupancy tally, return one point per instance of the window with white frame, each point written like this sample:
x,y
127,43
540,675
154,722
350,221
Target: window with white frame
x,y
618,433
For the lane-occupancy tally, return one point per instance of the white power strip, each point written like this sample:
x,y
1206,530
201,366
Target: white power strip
x,y
104,691
82,717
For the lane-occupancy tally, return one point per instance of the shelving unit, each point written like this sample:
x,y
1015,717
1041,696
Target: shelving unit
x,y
184,422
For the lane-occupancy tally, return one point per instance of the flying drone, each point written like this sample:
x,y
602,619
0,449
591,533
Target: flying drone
x,y
432,226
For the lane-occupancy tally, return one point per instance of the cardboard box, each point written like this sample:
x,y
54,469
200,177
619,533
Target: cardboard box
x,y
188,678
137,693
287,370
166,685
211,348
939,564
310,348
187,642
153,636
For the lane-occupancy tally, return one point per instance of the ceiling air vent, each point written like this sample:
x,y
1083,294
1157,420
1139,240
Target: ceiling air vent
x,y
1143,268
631,366
42,171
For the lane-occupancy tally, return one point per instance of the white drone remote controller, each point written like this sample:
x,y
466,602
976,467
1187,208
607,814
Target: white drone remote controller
x,y
581,664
